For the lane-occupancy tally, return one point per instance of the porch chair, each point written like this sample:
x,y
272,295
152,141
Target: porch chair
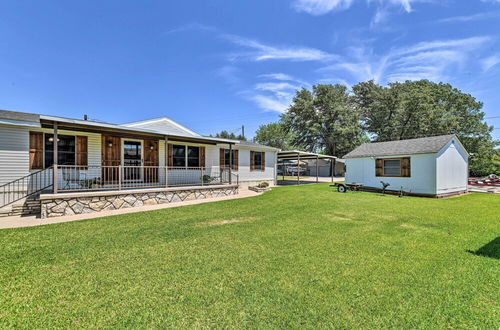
x,y
73,176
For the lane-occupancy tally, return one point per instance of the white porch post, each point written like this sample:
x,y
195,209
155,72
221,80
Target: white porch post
x,y
55,157
230,161
166,162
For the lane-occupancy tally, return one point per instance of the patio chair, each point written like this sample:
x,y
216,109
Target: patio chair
x,y
73,176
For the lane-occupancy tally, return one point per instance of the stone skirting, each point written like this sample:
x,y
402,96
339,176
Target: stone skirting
x,y
55,205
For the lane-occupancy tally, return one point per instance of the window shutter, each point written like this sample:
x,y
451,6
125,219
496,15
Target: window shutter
x,y
36,150
379,167
82,150
252,163
221,158
236,160
170,151
263,162
202,156
405,167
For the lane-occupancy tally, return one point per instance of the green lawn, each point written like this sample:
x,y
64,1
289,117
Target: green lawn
x,y
295,257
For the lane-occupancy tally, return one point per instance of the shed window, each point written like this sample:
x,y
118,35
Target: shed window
x,y
392,167
400,167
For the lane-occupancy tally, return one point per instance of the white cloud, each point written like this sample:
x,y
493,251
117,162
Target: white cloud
x,y
262,52
269,103
489,62
278,76
426,60
275,86
470,18
320,7
277,92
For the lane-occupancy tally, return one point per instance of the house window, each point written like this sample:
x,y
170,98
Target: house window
x,y
185,155
66,150
258,160
193,156
230,158
392,167
179,155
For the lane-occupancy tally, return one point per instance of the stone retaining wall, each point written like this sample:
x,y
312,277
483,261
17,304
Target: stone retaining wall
x,y
82,203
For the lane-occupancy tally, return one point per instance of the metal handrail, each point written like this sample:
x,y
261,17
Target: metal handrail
x,y
25,186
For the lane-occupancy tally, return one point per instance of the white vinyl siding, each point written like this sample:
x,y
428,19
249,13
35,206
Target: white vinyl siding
x,y
245,175
14,150
452,168
14,153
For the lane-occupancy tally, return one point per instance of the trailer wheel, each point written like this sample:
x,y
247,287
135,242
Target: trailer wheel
x,y
342,188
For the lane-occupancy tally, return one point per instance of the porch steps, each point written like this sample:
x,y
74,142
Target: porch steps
x,y
29,206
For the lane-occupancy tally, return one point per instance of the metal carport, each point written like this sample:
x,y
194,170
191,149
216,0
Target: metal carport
x,y
298,156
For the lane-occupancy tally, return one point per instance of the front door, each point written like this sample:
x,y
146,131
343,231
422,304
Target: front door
x,y
132,160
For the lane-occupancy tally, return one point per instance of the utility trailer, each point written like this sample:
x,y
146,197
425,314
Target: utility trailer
x,y
343,187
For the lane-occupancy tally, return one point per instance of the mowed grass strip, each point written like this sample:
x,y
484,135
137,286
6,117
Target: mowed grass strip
x,y
295,257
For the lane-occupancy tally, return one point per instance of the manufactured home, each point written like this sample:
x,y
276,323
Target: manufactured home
x,y
63,161
432,166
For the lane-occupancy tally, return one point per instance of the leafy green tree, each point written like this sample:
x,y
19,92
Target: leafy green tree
x,y
422,108
274,135
323,120
226,135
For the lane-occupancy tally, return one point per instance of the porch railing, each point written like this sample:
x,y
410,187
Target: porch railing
x,y
25,186
79,178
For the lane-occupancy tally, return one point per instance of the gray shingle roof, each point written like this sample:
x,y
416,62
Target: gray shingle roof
x,y
425,145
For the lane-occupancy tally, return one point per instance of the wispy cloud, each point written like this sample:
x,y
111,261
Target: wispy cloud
x,y
271,103
259,51
276,92
470,18
426,60
489,62
321,7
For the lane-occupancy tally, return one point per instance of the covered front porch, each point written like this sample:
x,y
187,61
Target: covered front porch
x,y
80,155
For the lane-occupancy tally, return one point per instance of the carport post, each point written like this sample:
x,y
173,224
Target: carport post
x,y
317,168
298,168
332,162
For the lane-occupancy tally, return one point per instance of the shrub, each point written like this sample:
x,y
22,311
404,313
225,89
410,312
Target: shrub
x,y
263,184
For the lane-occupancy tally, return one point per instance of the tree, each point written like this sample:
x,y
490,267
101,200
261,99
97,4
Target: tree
x,y
323,120
274,135
421,108
226,135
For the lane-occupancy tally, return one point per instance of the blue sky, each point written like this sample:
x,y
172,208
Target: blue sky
x,y
214,64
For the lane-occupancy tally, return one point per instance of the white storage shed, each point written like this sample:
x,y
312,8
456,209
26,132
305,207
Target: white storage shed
x,y
433,166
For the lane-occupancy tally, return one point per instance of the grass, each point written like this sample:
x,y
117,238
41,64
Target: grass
x,y
295,257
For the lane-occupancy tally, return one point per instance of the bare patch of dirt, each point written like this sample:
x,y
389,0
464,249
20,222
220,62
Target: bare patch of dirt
x,y
221,222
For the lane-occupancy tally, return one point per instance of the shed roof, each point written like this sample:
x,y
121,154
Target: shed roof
x,y
426,145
